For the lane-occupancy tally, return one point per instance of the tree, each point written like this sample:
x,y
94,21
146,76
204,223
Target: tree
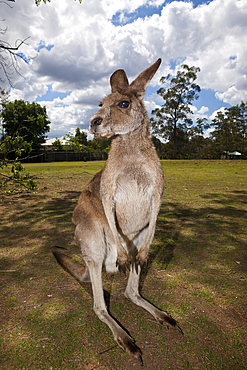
x,y
237,115
82,136
178,95
37,2
230,129
11,149
30,120
13,173
57,145
223,134
73,143
196,137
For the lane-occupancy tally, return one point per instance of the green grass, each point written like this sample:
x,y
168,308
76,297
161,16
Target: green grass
x,y
198,274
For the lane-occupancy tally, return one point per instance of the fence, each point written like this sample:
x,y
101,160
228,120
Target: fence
x,y
64,156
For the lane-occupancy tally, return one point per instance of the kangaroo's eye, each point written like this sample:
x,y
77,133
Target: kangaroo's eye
x,y
124,104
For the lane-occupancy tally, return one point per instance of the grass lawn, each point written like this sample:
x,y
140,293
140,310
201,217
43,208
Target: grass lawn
x,y
197,273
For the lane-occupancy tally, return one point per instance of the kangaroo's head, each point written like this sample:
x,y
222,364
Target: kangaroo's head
x,y
123,110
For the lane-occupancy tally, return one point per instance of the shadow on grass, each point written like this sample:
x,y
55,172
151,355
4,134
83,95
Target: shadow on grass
x,y
47,303
210,226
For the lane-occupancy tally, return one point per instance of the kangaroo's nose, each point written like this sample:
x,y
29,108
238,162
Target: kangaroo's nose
x,y
97,121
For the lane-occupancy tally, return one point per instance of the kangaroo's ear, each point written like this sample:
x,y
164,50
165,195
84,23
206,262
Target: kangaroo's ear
x,y
141,82
118,80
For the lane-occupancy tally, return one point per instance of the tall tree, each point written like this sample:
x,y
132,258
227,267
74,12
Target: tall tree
x,y
29,120
237,115
178,94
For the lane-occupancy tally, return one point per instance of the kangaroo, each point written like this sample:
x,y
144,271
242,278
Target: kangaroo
x,y
116,213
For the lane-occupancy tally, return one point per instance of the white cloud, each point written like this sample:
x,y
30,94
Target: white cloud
x,y
236,93
203,110
88,47
29,89
66,118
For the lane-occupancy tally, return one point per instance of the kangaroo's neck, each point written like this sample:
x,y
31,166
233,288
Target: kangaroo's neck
x,y
134,143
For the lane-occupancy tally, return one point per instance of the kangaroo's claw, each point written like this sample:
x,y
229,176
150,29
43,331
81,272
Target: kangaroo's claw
x,y
140,360
142,262
180,330
122,268
123,265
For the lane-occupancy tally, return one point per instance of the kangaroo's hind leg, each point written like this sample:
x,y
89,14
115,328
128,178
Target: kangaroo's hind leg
x,y
124,341
132,293
94,253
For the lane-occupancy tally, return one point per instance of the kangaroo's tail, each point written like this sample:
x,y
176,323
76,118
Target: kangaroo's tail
x,y
79,272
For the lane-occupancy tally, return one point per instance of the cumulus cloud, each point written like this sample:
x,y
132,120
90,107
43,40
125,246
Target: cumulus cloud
x,y
86,47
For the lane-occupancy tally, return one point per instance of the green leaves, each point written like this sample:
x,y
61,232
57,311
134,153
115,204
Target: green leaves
x,y
29,119
13,176
57,145
230,132
37,2
73,142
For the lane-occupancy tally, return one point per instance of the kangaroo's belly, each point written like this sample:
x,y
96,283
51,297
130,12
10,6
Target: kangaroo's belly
x,y
133,202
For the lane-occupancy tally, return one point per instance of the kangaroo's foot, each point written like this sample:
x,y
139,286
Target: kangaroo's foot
x,y
165,318
126,343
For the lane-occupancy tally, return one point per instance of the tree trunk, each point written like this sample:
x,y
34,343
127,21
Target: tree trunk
x,y
175,143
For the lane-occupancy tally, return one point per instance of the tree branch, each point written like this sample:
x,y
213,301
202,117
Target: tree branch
x,y
12,179
8,54
4,2
10,48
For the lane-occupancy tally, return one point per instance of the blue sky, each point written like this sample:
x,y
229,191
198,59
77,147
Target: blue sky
x,y
146,11
74,48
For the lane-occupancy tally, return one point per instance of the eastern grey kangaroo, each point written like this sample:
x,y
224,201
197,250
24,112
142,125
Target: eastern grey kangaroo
x,y
116,213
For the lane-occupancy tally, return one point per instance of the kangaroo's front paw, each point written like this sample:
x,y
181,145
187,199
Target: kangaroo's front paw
x,y
142,259
122,263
